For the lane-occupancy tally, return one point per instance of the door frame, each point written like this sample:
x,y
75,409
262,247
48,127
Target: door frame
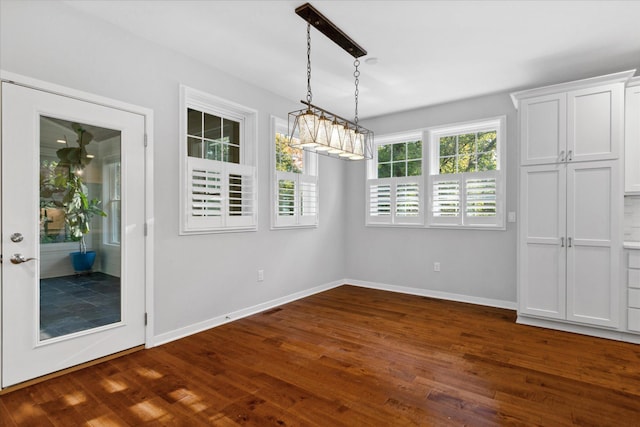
x,y
147,113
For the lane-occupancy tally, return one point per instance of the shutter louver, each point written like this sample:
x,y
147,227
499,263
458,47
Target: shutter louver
x,y
408,199
206,193
380,200
446,198
481,197
286,197
308,199
241,195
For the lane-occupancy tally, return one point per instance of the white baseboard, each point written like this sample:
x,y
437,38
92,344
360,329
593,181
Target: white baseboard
x,y
235,315
511,305
579,329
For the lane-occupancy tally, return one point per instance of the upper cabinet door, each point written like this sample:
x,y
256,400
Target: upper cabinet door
x,y
543,129
632,140
595,123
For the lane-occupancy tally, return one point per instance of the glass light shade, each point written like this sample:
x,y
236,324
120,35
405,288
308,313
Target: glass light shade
x,y
308,129
358,143
349,137
323,135
337,136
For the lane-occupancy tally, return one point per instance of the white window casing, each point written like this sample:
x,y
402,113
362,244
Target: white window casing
x,y
218,196
468,199
395,201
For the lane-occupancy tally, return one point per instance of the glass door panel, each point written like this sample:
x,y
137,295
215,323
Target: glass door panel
x,y
80,256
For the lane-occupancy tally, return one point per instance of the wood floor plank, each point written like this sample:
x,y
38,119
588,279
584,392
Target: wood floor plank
x,y
352,357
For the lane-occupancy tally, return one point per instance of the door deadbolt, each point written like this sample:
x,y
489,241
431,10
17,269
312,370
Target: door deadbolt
x,y
16,237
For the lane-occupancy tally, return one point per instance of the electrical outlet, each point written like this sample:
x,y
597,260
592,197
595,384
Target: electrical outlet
x,y
260,275
436,266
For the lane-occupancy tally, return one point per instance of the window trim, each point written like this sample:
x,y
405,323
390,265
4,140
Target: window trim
x,y
108,163
248,119
393,219
462,221
311,165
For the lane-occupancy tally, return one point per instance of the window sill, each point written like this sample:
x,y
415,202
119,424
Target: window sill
x,y
468,227
292,227
218,231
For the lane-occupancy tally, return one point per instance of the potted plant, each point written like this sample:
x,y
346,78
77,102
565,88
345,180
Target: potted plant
x,y
79,210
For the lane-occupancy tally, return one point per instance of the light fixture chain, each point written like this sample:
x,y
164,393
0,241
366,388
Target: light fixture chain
x,y
309,95
356,74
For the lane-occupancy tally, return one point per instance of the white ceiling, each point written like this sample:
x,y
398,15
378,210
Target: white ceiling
x,y
429,52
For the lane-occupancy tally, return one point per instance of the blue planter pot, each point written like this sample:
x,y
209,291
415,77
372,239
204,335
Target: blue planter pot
x,y
82,262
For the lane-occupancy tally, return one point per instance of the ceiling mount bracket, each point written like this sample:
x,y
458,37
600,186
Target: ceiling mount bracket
x,y
329,29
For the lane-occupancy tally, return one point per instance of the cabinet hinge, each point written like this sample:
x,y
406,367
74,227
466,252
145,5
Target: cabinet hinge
x,y
145,140
146,318
145,229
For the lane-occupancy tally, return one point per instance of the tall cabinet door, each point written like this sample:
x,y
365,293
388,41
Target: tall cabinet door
x,y
593,243
595,123
542,265
543,129
632,139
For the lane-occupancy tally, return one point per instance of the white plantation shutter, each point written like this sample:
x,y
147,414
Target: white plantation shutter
x,y
408,200
395,201
379,201
446,199
469,199
219,195
308,191
297,199
482,190
241,195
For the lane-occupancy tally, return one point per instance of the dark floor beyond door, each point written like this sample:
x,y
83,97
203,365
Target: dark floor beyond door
x,y
75,303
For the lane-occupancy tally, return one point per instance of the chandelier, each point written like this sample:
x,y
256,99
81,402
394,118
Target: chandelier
x,y
316,129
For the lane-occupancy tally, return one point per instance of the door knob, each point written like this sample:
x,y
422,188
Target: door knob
x,y
16,237
19,259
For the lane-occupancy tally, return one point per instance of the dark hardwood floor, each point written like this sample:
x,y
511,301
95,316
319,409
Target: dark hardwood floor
x,y
352,357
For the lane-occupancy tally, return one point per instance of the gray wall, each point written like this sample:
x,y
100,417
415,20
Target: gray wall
x,y
474,263
202,277
196,277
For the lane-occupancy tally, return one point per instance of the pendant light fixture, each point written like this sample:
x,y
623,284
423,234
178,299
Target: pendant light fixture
x,y
316,129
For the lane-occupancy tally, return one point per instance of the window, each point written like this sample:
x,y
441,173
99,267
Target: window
x,y
113,202
218,146
295,183
466,180
395,183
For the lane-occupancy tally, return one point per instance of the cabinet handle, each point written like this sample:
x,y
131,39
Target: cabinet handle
x,y
569,242
562,242
562,156
570,155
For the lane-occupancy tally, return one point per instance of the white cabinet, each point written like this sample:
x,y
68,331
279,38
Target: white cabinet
x,y
571,201
578,125
633,297
632,138
569,242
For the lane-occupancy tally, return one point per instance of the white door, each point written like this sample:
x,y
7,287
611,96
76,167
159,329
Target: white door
x,y
594,246
542,241
56,314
